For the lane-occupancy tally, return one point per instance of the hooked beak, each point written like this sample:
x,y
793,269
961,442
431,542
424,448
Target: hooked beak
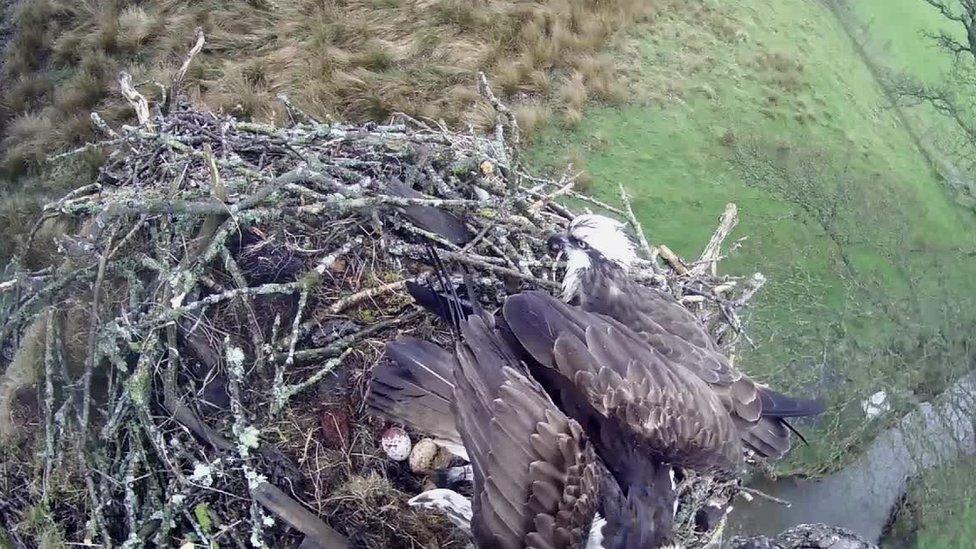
x,y
557,243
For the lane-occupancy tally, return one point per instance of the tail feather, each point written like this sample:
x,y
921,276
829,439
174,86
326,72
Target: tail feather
x,y
779,405
435,302
794,431
768,438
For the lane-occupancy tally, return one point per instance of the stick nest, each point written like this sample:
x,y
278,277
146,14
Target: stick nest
x,y
206,338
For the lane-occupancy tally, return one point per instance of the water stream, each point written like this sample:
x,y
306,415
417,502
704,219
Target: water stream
x,y
862,496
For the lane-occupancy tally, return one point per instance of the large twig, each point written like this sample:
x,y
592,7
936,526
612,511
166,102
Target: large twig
x,y
711,254
674,260
136,100
174,90
282,393
651,252
339,346
359,297
297,516
91,352
48,403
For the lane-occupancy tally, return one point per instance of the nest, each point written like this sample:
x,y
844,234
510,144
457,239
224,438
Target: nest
x,y
208,335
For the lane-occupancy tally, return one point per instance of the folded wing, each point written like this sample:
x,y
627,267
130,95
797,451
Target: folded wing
x,y
615,382
535,479
675,333
416,387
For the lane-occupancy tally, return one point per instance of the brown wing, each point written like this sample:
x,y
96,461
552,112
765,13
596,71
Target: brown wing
x,y
667,408
416,387
535,478
677,335
740,395
642,308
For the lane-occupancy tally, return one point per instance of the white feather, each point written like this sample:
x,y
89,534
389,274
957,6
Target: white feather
x,y
577,261
595,538
606,236
456,507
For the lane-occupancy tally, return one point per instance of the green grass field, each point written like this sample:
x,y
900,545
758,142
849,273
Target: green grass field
x,y
896,28
871,262
940,511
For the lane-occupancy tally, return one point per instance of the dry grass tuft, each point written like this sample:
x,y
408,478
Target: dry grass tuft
x,y
135,27
26,141
361,59
532,116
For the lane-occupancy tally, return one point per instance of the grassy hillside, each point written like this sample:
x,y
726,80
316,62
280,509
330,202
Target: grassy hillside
x,y
871,262
342,59
897,37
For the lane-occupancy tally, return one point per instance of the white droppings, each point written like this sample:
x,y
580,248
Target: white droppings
x,y
456,507
876,404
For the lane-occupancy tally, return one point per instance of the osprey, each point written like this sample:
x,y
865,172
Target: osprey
x,y
598,254
544,375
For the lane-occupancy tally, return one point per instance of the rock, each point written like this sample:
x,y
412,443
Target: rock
x,y
806,536
396,443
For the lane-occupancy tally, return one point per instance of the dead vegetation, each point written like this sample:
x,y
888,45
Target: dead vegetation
x,y
202,343
352,60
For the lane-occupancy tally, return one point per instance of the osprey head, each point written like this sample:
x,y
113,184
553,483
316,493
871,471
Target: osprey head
x,y
592,240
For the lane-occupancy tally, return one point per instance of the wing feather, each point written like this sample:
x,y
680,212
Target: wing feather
x,y
415,387
671,412
676,334
429,218
534,474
